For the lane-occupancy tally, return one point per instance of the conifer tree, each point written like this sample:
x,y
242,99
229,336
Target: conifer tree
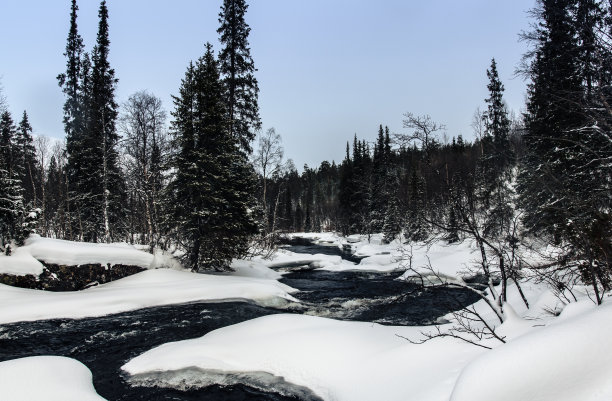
x,y
75,118
565,178
237,71
11,190
210,195
416,229
346,192
108,186
495,162
27,161
69,81
552,112
379,182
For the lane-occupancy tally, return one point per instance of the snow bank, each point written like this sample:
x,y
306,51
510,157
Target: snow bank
x,y
73,253
565,361
337,360
25,259
447,260
141,290
284,258
20,263
327,238
49,378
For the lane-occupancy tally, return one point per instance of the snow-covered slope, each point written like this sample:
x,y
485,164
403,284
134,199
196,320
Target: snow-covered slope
x,y
566,360
570,359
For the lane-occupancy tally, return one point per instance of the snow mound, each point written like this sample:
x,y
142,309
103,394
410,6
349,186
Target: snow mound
x,y
20,263
336,360
49,378
26,259
73,253
566,361
145,289
448,261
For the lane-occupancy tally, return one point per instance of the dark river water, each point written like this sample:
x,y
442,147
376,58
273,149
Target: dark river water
x,y
104,344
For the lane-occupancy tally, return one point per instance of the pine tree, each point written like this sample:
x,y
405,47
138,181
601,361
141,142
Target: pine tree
x,y
211,193
380,195
237,70
497,123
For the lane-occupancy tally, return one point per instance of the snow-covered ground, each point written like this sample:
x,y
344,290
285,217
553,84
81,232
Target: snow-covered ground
x,y
562,359
545,357
49,378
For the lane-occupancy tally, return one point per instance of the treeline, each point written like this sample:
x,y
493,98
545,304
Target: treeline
x,y
543,178
379,187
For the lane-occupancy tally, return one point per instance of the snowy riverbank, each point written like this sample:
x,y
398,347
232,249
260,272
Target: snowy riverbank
x,y
553,351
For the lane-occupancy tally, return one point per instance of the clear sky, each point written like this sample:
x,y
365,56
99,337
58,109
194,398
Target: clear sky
x,y
327,69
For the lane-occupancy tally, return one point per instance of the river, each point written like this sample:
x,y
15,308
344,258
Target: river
x,y
105,343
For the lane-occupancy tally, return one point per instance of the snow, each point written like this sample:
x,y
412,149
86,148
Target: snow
x,y
567,361
49,378
337,360
25,259
141,290
554,350
20,263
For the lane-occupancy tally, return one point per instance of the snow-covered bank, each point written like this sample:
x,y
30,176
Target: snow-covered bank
x,y
49,378
562,359
337,360
567,360
26,259
145,289
377,256
545,357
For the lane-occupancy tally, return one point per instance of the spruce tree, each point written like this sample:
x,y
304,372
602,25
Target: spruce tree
x,y
69,81
74,120
379,182
27,161
565,178
495,162
11,190
552,112
237,71
109,186
211,193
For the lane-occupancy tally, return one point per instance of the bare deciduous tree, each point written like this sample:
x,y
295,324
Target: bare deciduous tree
x,y
424,131
143,124
268,160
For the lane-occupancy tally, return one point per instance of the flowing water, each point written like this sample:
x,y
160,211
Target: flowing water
x,y
105,343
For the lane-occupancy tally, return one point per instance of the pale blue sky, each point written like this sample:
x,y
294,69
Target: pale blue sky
x,y
327,68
